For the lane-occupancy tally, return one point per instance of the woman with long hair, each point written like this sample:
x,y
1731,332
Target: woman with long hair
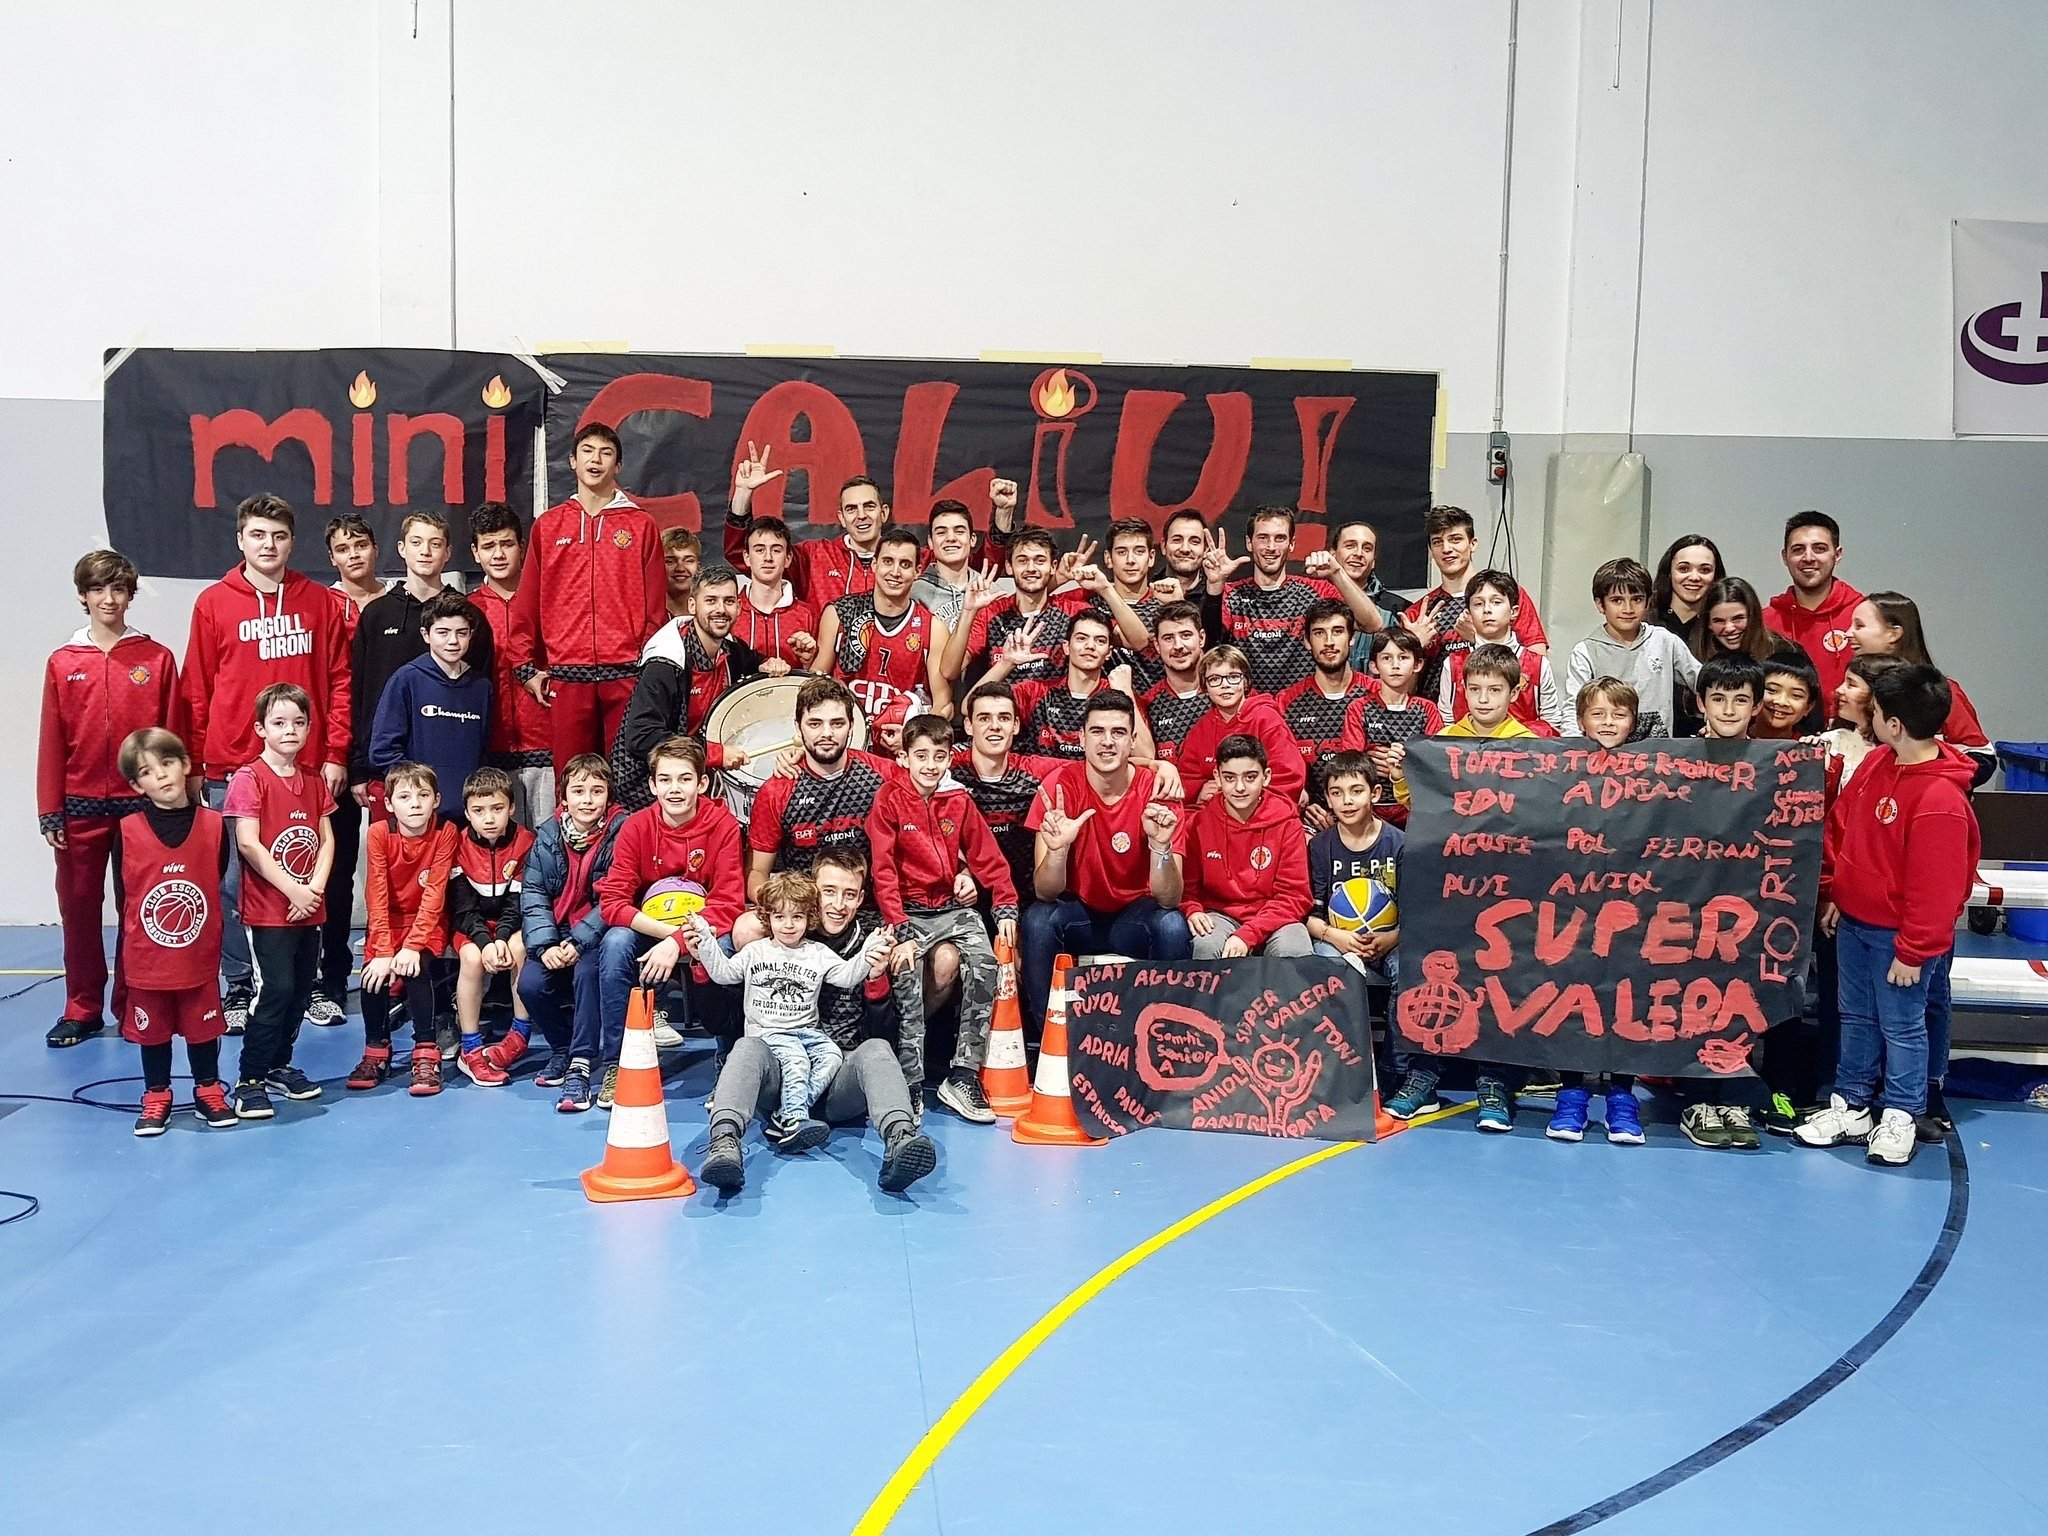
x,y
1733,625
1678,595
1888,624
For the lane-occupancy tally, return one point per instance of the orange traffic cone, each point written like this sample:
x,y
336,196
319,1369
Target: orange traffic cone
x,y
1050,1119
1003,1076
1384,1124
637,1164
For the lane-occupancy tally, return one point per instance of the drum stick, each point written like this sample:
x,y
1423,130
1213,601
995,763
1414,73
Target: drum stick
x,y
780,747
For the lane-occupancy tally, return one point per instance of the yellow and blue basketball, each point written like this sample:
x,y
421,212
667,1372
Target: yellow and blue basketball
x,y
1364,904
673,899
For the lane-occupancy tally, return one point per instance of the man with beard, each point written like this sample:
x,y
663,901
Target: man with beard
x,y
1174,703
882,643
687,667
1184,544
1104,871
824,570
1816,609
1264,613
772,618
825,804
1316,708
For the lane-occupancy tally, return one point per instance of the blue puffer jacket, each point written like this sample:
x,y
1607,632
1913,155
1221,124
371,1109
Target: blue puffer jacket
x,y
547,872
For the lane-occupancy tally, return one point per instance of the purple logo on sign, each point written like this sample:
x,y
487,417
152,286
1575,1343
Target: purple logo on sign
x,y
2002,345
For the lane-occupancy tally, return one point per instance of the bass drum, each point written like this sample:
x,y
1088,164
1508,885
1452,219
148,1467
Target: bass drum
x,y
759,719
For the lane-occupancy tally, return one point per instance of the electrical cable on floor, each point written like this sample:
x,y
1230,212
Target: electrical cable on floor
x,y
43,981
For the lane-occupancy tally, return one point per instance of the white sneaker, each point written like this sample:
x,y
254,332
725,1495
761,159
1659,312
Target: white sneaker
x,y
667,1037
1893,1141
1834,1125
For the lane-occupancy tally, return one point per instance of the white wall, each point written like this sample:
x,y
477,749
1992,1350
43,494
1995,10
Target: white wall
x,y
1201,181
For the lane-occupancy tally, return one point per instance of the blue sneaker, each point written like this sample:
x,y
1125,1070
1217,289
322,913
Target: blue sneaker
x,y
1624,1124
1496,1105
1569,1123
1416,1096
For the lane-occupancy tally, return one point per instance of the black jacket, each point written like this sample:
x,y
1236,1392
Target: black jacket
x,y
660,706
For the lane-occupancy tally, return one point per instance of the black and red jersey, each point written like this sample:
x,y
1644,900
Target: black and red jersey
x,y
1049,717
880,657
795,819
994,625
1004,801
1317,718
1170,716
171,904
1271,627
483,885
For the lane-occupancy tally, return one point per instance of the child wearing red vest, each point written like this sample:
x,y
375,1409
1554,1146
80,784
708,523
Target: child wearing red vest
x,y
405,895
280,811
174,855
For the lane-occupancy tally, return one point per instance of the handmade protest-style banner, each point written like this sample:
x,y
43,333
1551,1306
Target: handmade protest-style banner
x,y
376,431
1645,910
1262,1047
1084,444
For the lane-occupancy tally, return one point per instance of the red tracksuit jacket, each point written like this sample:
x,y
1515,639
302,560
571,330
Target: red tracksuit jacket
x,y
241,642
1254,872
406,890
1256,717
917,846
519,722
593,592
1901,849
706,849
92,701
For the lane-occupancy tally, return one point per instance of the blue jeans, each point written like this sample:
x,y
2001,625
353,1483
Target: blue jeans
x,y
563,1004
807,1059
1884,1028
1144,930
235,972
1940,1017
618,974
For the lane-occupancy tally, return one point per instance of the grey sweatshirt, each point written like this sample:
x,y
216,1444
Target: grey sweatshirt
x,y
1655,665
782,984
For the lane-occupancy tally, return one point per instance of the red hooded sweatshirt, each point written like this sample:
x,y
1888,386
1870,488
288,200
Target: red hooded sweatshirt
x,y
706,849
92,701
1254,872
1901,849
593,592
1256,717
1823,632
916,846
241,642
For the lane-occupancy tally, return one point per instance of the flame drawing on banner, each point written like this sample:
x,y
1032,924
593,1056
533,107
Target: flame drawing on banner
x,y
495,394
363,393
1060,396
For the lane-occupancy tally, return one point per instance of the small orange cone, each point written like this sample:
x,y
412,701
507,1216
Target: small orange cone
x,y
1384,1124
637,1164
1050,1119
1003,1077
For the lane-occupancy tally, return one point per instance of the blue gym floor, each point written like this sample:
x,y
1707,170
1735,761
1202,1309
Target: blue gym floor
x,y
389,1315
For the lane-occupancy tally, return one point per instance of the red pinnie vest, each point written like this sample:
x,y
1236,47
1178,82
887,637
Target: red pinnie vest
x,y
170,905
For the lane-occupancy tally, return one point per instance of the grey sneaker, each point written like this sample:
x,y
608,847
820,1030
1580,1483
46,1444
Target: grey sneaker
x,y
449,1039
908,1157
961,1093
725,1166
1893,1142
1830,1127
324,1010
288,1082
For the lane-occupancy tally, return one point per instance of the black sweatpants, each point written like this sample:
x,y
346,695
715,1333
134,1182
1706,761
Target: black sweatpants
x,y
286,962
336,959
418,992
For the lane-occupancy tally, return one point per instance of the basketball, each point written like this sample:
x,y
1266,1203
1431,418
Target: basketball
x,y
1364,905
673,899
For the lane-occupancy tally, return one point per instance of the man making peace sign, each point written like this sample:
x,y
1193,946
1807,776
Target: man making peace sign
x,y
1104,873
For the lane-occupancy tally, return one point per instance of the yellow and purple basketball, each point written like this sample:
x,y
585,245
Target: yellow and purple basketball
x,y
673,899
1364,904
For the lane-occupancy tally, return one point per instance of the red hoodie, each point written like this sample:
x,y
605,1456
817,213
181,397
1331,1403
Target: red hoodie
x,y
92,701
916,846
1197,756
706,849
593,592
1901,849
1823,632
1254,872
241,642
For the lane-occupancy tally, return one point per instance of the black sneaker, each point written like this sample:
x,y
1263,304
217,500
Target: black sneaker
x,y
1932,1128
1742,1135
961,1093
725,1165
1705,1125
807,1136
71,1031
251,1102
234,1013
908,1157
288,1082
1781,1116
155,1118
324,1010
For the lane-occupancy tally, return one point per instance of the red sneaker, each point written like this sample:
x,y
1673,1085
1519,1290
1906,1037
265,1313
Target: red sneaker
x,y
371,1070
476,1066
156,1113
426,1071
506,1054
211,1101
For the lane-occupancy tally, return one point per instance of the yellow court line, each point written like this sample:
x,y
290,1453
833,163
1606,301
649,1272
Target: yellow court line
x,y
878,1515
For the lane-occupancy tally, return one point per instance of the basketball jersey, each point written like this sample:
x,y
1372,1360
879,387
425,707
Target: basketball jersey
x,y
170,904
1271,628
1170,716
1317,721
797,819
880,658
1051,717
287,813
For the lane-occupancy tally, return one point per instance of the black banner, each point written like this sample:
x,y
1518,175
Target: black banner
x,y
1646,910
377,431
1262,1047
1084,444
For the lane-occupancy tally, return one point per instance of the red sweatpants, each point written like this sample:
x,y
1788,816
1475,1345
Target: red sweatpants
x,y
585,718
91,844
